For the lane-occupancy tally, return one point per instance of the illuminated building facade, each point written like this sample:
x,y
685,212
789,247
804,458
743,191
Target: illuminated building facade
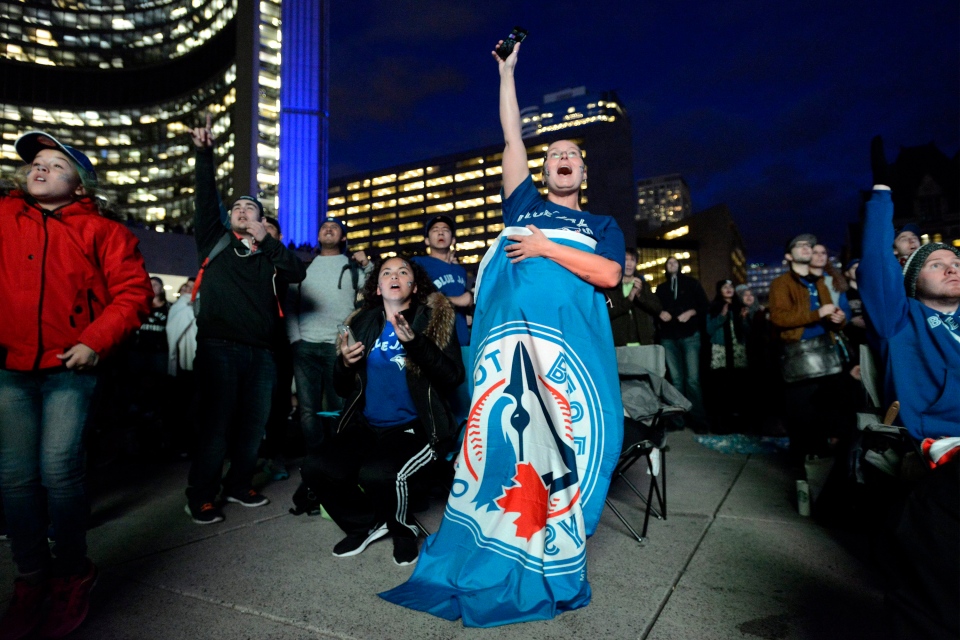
x,y
124,81
661,201
386,210
707,244
760,276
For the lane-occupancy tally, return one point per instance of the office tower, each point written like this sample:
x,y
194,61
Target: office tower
x,y
662,201
124,81
386,209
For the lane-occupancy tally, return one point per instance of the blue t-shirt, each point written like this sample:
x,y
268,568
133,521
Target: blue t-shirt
x,y
526,206
450,280
812,330
389,403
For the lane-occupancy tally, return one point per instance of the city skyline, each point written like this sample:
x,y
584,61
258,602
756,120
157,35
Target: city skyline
x,y
769,110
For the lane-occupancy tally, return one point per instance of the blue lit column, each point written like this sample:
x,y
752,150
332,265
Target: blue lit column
x,y
304,100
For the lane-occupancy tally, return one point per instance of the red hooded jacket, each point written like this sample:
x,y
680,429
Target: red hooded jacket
x,y
66,277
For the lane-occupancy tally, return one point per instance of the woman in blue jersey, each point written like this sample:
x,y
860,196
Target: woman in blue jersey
x,y
395,370
546,421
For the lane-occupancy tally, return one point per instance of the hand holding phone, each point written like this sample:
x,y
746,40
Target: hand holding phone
x,y
344,330
506,46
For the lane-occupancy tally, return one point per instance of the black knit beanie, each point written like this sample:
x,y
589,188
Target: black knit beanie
x,y
911,269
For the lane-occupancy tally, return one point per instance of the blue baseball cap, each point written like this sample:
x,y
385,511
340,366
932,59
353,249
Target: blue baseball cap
x,y
912,228
33,142
343,232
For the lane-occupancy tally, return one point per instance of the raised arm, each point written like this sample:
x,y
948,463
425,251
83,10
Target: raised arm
x,y
208,221
515,169
880,276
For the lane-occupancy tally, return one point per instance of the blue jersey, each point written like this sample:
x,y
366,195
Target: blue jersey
x,y
389,403
450,280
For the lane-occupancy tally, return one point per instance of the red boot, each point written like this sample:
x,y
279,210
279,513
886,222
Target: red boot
x,y
69,603
23,614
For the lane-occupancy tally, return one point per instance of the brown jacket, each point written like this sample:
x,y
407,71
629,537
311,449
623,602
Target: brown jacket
x,y
790,306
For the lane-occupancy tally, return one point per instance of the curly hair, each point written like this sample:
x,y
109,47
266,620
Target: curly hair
x,y
373,300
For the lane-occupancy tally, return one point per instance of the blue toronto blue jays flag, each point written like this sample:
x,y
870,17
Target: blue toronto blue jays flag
x,y
542,438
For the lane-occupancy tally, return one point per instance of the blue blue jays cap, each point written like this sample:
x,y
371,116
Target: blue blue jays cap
x,y
33,142
907,228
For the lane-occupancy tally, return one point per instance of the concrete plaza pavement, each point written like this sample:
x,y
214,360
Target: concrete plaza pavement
x,y
732,560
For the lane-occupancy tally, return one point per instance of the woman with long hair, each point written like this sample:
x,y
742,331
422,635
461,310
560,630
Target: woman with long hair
x,y
399,362
727,319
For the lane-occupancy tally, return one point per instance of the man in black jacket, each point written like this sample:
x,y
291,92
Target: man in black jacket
x,y
236,329
684,307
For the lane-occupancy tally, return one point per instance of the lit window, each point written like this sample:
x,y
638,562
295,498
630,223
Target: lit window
x,y
676,233
468,175
433,182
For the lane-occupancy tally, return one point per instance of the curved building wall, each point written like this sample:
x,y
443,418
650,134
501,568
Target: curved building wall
x,y
108,34
167,64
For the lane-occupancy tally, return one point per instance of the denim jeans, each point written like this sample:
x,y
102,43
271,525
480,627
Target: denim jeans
x,y
683,364
234,387
313,369
43,417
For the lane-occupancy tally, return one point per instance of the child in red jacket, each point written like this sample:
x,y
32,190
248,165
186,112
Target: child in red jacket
x,y
74,286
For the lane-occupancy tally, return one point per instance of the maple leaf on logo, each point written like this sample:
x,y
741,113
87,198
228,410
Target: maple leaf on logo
x,y
528,498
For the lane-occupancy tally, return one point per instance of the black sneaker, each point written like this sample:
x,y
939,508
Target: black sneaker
x,y
405,551
205,513
249,499
355,543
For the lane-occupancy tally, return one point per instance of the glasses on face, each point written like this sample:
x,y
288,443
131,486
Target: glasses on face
x,y
572,154
800,245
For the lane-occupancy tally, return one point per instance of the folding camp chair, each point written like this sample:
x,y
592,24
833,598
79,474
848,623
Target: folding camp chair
x,y
648,400
881,444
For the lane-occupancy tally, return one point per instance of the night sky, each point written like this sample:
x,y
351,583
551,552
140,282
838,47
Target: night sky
x,y
769,109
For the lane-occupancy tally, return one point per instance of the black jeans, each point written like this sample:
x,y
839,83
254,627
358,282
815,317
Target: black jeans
x,y
313,369
235,385
813,412
382,462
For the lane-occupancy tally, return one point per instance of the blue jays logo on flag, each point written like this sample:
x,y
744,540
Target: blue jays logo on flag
x,y
530,391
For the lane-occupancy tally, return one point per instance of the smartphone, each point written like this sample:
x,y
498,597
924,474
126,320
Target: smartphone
x,y
506,47
344,330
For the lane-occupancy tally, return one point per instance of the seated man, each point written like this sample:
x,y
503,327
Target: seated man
x,y
914,312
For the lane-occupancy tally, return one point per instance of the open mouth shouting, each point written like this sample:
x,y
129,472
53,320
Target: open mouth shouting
x,y
564,170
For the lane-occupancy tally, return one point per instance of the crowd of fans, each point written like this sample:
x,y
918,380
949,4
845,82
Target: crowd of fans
x,y
354,365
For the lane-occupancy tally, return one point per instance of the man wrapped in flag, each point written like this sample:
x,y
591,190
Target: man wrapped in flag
x,y
546,421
